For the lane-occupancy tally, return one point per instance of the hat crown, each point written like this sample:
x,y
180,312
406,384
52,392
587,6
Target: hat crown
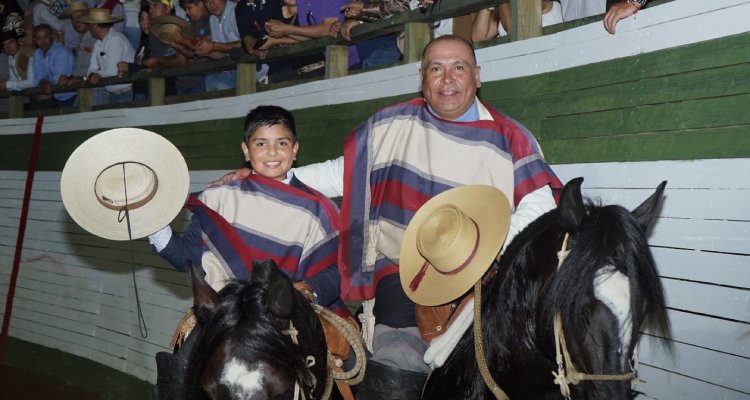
x,y
447,239
128,184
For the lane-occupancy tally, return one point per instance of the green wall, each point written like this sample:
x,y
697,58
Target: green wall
x,y
683,103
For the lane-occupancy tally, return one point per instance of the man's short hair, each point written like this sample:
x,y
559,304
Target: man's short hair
x,y
184,3
42,27
453,38
268,116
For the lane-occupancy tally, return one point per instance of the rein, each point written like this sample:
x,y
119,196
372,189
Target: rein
x,y
567,374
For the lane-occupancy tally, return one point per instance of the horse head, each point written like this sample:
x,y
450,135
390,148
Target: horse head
x,y
257,340
577,285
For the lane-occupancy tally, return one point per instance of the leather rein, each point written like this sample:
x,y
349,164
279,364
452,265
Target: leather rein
x,y
566,374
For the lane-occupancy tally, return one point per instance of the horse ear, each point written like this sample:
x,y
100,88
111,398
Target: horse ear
x,y
570,208
646,212
205,297
280,294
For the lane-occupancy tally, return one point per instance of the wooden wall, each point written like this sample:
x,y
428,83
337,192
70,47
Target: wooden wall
x,y
609,108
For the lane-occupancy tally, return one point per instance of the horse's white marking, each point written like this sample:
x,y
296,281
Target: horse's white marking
x,y
241,379
611,288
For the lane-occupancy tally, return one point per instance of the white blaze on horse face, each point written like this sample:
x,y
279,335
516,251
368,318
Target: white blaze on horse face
x,y
240,378
611,287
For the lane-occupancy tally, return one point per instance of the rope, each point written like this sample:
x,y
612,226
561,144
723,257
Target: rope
x,y
355,375
479,346
367,320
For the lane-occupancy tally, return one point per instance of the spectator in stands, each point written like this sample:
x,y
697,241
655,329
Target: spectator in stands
x,y
20,75
70,36
615,10
252,16
225,37
316,18
52,61
47,12
142,52
110,48
85,46
379,51
11,17
160,54
199,20
115,7
495,22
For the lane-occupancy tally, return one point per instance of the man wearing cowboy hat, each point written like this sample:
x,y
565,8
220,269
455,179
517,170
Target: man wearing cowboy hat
x,y
110,48
393,164
20,73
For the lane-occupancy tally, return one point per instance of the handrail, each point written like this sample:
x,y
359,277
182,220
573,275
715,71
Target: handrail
x,y
414,23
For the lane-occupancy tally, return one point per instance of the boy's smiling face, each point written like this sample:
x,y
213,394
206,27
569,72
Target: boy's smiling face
x,y
271,150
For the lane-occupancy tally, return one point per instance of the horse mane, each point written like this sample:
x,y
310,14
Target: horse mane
x,y
608,235
242,319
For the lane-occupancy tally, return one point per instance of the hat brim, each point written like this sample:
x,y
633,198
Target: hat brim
x,y
111,19
489,208
187,30
116,146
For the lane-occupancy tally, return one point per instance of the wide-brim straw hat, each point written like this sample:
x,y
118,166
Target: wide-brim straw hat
x,y
166,27
451,242
124,169
100,16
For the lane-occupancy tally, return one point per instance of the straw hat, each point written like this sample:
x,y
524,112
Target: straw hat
x,y
451,242
166,27
98,173
100,16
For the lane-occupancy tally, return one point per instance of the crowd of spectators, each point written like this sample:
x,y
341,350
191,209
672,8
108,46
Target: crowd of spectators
x,y
62,42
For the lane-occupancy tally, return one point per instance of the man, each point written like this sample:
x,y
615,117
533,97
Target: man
x,y
396,161
20,73
111,47
52,62
225,37
85,40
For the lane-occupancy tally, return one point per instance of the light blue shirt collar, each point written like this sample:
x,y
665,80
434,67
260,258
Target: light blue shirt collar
x,y
471,115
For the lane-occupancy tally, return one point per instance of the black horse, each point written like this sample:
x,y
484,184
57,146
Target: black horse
x,y
256,340
605,291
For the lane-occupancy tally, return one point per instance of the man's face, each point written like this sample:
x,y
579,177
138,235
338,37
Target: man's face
x,y
43,39
10,46
79,26
97,31
195,11
450,78
157,9
215,7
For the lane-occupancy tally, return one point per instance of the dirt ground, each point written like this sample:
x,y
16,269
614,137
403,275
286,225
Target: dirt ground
x,y
17,384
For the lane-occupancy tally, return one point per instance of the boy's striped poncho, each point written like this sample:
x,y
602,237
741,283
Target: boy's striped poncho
x,y
259,218
403,156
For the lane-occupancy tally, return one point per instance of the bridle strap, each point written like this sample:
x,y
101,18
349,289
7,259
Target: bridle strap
x,y
567,374
479,346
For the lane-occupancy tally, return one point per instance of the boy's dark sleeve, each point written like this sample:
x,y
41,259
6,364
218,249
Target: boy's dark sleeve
x,y
327,285
184,249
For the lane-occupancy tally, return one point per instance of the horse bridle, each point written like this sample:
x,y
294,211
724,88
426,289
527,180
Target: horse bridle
x,y
566,374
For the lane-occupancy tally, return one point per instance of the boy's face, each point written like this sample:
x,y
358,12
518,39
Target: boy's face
x,y
271,150
195,11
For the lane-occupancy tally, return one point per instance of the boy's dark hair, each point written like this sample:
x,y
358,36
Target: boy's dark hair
x,y
42,27
183,3
268,116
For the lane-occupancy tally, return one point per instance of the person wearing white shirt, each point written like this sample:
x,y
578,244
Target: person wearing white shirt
x,y
18,78
110,48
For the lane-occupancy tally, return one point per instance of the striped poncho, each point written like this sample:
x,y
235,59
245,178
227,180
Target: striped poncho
x,y
258,218
403,156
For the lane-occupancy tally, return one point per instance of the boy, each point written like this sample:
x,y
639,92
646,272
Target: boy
x,y
269,214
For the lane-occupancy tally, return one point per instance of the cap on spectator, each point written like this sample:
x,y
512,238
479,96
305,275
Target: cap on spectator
x,y
167,3
166,27
11,34
100,16
78,6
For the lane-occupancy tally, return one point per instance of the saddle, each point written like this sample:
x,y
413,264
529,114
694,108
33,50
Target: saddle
x,y
433,321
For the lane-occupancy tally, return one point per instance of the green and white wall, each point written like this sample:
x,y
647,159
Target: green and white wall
x,y
666,98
